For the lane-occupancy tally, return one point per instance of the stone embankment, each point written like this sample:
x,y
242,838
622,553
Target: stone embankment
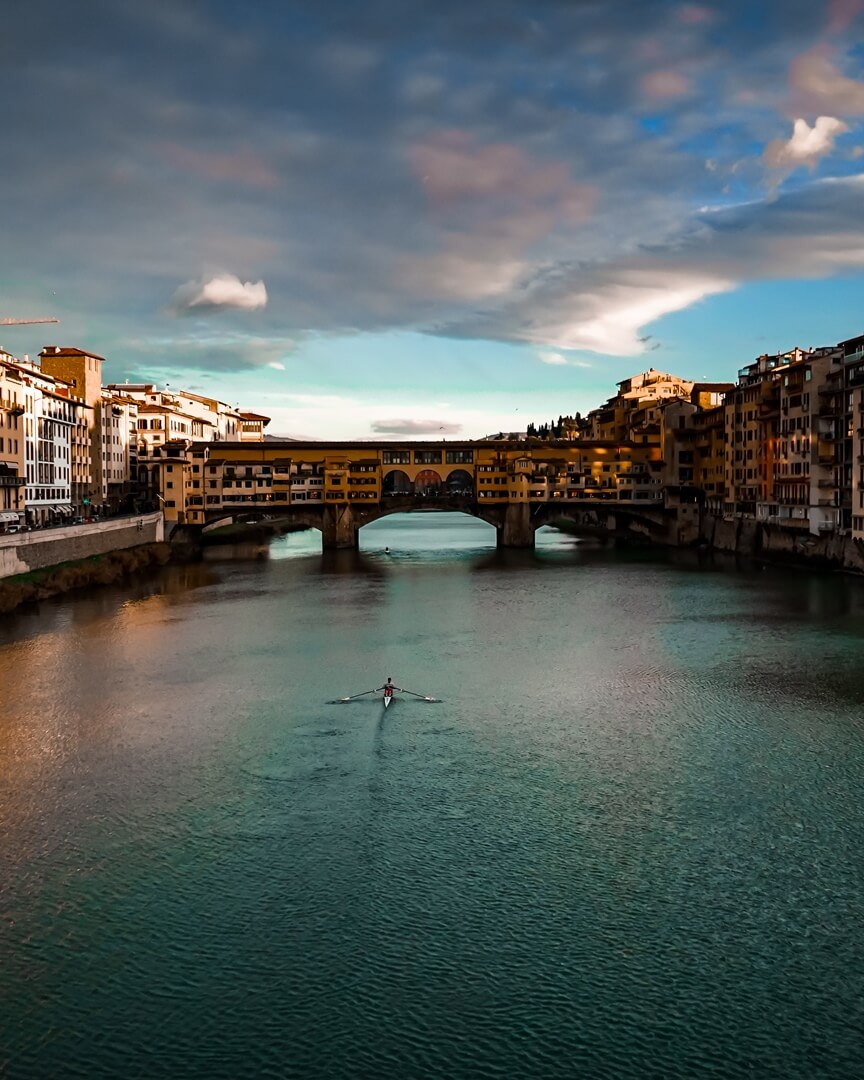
x,y
781,544
37,565
743,537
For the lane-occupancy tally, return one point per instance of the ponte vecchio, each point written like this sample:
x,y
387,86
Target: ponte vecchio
x,y
338,487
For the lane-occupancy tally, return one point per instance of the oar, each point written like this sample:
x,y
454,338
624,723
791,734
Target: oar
x,y
424,697
342,700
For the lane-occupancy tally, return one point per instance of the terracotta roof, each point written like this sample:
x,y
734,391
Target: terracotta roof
x,y
57,350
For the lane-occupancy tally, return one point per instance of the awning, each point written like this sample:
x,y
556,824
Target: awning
x,y
59,509
8,517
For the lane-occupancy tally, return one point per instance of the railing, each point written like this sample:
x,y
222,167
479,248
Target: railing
x,y
13,481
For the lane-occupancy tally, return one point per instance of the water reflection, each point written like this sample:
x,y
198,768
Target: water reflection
x,y
639,795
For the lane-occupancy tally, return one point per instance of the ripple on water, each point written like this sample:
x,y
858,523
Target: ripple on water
x,y
281,769
630,847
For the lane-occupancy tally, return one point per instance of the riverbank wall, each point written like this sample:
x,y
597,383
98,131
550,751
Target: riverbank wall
x,y
38,565
781,544
747,538
109,569
22,553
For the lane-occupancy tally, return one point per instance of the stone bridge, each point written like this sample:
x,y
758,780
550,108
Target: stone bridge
x,y
514,524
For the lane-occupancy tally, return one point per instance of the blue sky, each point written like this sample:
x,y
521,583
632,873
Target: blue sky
x,y
430,217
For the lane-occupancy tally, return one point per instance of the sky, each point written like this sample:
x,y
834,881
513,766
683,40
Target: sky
x,y
428,217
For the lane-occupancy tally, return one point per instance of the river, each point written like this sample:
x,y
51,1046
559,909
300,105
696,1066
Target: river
x,y
628,843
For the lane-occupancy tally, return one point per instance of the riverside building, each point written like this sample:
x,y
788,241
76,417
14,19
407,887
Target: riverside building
x,y
13,476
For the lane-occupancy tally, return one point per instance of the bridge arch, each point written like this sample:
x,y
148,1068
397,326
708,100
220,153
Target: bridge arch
x,y
427,482
397,482
461,481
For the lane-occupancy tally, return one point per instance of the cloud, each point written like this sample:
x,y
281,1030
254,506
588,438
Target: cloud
x,y
842,13
226,353
812,233
489,174
608,316
239,167
807,144
695,14
454,167
221,291
558,360
415,427
662,85
819,87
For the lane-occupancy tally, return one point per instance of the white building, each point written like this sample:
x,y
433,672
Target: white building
x,y
49,419
118,426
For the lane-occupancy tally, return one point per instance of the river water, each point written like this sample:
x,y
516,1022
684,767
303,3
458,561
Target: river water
x,y
628,843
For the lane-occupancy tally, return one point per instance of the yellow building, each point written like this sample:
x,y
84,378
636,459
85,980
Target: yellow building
x,y
82,372
198,482
13,475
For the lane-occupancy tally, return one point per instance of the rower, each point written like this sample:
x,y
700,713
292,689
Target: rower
x,y
388,687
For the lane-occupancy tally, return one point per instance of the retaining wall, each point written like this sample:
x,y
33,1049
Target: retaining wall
x,y
778,543
23,552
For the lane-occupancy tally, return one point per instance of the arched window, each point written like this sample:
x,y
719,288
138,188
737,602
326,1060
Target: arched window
x,y
427,482
396,482
460,482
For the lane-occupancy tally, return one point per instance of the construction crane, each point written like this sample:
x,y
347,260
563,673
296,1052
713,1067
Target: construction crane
x,y
25,322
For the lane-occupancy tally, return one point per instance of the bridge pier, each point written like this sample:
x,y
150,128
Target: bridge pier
x,y
338,529
517,531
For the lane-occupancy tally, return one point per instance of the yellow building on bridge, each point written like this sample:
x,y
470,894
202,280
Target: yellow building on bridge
x,y
341,486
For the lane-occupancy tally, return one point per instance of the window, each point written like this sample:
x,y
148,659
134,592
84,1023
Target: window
x,y
397,457
427,457
459,457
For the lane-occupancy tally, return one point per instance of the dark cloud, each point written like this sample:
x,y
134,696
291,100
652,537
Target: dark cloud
x,y
303,144
415,427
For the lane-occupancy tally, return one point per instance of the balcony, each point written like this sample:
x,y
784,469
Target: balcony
x,y
12,481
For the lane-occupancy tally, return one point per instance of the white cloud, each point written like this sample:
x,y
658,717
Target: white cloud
x,y
556,359
814,232
607,315
276,365
807,144
221,291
